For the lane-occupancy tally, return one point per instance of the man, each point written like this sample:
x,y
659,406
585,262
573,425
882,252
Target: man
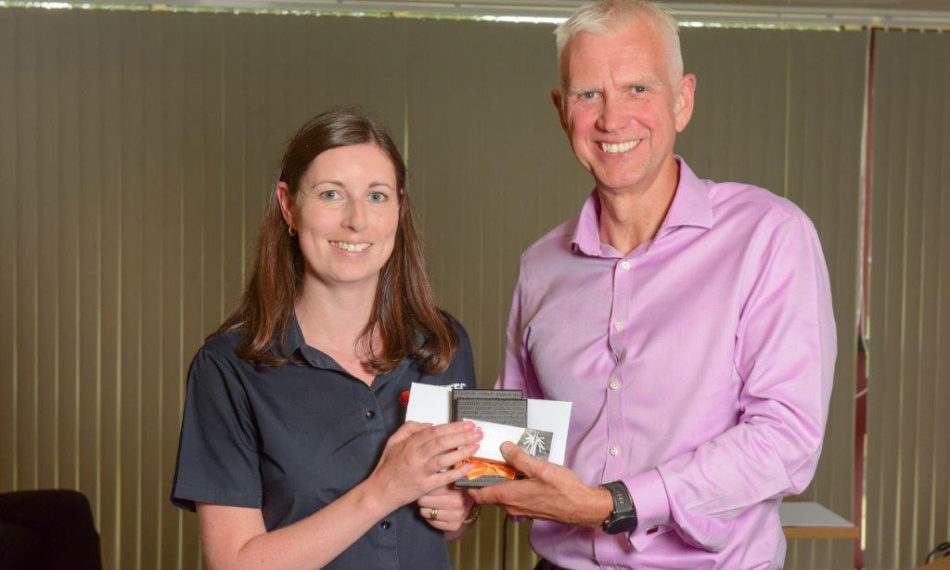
x,y
688,321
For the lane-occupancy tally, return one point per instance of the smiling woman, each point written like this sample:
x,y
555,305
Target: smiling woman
x,y
290,451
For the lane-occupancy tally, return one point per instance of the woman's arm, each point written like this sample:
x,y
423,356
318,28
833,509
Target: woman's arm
x,y
235,538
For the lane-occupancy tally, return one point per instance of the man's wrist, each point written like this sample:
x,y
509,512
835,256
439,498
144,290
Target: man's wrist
x,y
602,506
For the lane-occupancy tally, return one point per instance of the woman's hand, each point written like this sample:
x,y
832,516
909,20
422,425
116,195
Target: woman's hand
x,y
446,508
418,459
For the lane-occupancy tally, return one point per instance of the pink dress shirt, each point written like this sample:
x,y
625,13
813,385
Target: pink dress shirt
x,y
700,368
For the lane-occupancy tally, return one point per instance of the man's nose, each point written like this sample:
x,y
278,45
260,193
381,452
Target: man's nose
x,y
614,115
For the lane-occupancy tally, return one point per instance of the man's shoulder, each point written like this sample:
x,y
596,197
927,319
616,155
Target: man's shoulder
x,y
738,202
556,242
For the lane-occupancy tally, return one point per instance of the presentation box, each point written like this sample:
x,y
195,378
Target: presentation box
x,y
538,426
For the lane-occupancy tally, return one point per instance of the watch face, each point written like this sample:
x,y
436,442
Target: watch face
x,y
621,524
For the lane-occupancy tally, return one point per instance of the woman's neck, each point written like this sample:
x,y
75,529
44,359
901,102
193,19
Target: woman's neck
x,y
333,318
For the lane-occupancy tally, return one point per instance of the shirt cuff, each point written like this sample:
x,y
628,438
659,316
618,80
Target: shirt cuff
x,y
653,507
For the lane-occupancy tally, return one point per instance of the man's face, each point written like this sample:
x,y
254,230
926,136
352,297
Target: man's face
x,y
619,106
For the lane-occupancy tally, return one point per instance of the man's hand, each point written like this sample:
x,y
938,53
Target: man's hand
x,y
550,492
445,508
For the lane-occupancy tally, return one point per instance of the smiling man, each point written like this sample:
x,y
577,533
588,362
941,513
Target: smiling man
x,y
688,321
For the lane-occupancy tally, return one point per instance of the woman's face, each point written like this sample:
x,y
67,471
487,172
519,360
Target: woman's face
x,y
345,213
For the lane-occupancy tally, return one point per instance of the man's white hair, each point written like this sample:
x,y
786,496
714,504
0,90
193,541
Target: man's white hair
x,y
609,16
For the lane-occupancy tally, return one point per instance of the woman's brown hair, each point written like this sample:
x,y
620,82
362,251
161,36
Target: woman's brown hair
x,y
404,311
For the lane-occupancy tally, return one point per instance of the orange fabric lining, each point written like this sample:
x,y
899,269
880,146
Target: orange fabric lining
x,y
484,467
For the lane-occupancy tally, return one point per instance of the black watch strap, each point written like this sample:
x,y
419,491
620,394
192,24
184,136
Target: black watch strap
x,y
624,516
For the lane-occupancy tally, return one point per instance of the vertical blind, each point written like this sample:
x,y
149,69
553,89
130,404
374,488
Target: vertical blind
x,y
137,151
908,477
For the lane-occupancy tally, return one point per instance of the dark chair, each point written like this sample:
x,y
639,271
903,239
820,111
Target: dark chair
x,y
47,530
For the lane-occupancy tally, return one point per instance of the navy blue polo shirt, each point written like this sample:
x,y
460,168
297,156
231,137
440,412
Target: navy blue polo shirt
x,y
291,439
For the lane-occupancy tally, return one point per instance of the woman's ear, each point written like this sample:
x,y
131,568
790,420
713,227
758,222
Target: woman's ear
x,y
286,202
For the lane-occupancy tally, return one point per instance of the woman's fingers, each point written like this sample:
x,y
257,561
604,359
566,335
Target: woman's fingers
x,y
407,430
450,458
447,437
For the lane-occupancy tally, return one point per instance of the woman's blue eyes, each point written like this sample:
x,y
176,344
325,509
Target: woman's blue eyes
x,y
375,197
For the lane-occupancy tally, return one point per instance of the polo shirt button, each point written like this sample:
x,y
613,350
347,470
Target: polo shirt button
x,y
625,265
608,568
618,325
615,451
385,525
370,414
614,385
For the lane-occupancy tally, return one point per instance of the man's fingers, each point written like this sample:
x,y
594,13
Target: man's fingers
x,y
520,459
490,495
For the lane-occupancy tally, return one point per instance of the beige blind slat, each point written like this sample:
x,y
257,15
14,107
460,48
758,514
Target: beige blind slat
x,y
909,465
8,255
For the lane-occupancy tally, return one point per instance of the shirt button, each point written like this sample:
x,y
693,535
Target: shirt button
x,y
615,451
385,525
625,265
370,414
614,385
608,568
618,325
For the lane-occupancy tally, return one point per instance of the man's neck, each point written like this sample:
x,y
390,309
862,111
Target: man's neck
x,y
631,217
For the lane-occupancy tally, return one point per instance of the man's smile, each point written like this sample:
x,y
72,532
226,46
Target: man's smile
x,y
614,148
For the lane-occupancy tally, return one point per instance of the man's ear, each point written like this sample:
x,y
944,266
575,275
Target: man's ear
x,y
558,101
683,109
286,203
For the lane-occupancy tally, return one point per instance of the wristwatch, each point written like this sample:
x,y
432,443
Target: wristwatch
x,y
624,516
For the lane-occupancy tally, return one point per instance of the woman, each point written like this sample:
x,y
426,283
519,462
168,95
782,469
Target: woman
x,y
290,451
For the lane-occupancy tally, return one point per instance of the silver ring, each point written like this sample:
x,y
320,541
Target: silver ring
x,y
433,514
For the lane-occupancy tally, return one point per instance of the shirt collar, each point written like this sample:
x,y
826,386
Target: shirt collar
x,y
690,207
295,343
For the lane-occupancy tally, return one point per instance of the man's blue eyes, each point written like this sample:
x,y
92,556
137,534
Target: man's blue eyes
x,y
590,95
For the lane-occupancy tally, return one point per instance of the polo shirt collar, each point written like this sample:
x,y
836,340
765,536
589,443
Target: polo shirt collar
x,y
295,343
318,359
690,207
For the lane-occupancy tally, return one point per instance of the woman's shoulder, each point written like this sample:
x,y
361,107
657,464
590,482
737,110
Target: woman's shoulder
x,y
223,344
